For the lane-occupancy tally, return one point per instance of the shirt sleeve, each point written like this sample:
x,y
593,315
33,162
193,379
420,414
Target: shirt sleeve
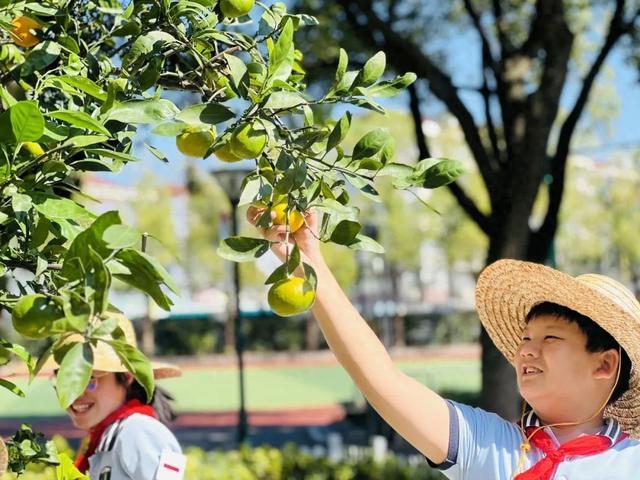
x,y
481,445
140,444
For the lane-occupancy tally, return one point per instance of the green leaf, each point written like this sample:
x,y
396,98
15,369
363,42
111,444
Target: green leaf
x,y
149,111
434,173
74,373
282,55
77,312
83,84
136,363
362,242
278,274
43,55
372,70
21,203
93,237
86,140
393,87
80,119
156,153
238,69
345,232
339,131
377,144
285,100
145,44
99,280
170,129
243,249
343,61
121,236
147,275
205,113
310,275
67,470
103,152
23,122
12,387
293,261
58,208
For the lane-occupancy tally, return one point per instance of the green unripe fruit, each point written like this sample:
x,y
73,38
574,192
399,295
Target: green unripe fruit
x,y
236,8
291,296
247,142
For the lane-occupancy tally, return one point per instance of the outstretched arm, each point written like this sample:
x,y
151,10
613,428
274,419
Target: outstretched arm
x,y
416,412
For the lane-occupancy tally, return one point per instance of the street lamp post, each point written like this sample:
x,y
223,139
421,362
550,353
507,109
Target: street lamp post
x,y
231,182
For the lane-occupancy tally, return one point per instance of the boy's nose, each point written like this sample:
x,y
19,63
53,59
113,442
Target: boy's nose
x,y
529,349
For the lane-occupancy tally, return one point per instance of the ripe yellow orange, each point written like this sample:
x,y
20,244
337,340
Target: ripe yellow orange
x,y
291,296
34,148
22,31
225,154
33,315
236,8
247,141
195,143
296,219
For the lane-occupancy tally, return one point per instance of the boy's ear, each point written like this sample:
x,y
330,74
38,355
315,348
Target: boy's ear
x,y
129,378
607,364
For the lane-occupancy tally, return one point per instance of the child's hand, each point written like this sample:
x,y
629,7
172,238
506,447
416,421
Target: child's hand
x,y
306,237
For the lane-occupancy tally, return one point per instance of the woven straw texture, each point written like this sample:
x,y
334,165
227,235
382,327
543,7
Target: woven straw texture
x,y
106,359
508,289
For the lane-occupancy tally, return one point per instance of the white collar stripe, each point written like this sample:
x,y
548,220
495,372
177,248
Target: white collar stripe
x,y
611,429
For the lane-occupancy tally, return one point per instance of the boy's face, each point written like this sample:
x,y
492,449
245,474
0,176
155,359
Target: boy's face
x,y
555,371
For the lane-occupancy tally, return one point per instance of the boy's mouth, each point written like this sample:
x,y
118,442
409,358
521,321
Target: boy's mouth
x,y
528,371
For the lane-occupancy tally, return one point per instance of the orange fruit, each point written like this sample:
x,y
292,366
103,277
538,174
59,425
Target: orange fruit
x,y
236,8
291,296
22,31
248,142
225,154
296,219
195,143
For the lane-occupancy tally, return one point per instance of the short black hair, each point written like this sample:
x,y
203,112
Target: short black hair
x,y
598,339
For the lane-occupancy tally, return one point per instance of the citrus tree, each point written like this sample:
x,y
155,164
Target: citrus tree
x,y
79,77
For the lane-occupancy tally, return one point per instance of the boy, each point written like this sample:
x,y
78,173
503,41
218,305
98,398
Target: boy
x,y
575,344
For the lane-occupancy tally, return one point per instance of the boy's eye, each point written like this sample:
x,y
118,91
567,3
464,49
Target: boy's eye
x,y
525,339
553,337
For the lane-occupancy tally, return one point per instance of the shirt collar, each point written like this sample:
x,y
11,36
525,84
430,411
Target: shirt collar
x,y
611,429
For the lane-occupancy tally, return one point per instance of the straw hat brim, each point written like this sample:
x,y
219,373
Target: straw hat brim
x,y
508,289
160,370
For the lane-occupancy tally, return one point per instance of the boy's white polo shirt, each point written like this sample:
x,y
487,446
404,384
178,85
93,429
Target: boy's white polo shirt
x,y
484,446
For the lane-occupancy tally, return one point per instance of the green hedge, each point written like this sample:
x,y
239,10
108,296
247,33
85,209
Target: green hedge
x,y
289,463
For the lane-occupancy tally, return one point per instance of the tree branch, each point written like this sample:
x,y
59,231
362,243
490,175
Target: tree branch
x,y
414,106
617,28
487,55
409,57
468,205
470,208
502,37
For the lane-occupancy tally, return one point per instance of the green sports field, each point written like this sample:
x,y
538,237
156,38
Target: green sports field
x,y
216,389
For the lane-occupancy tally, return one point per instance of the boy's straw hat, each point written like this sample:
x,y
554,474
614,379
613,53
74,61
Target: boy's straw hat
x,y
508,289
106,359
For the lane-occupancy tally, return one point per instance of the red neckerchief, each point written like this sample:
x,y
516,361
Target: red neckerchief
x,y
582,446
95,434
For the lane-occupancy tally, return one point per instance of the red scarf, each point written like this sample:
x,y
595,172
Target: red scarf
x,y
581,446
95,434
